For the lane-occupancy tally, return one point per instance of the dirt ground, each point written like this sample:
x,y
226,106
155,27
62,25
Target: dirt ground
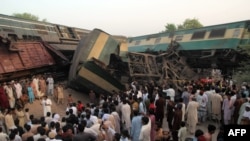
x,y
36,108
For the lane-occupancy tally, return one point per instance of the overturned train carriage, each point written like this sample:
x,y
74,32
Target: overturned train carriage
x,y
90,68
217,46
22,59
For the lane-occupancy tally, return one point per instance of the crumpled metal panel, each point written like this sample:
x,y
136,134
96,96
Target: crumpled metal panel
x,y
28,56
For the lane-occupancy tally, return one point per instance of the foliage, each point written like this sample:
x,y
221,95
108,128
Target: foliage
x,y
28,16
187,24
242,73
191,23
170,27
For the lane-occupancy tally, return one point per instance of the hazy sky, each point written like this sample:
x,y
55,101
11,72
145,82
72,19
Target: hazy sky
x,y
130,17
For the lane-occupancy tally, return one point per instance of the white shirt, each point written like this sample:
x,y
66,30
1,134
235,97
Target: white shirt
x,y
74,110
4,137
50,82
170,92
145,132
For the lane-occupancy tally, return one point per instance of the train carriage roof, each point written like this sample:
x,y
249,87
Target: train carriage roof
x,y
238,24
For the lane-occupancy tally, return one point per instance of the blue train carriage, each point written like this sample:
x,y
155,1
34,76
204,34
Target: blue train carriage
x,y
89,65
202,47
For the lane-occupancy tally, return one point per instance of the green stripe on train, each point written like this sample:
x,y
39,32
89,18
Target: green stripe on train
x,y
83,84
195,45
91,66
240,24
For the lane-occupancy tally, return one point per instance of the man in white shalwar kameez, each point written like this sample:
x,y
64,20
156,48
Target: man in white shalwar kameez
x,y
117,121
10,95
46,103
216,104
126,112
192,115
50,85
145,129
18,89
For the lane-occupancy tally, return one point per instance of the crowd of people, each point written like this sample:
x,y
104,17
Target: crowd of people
x,y
136,114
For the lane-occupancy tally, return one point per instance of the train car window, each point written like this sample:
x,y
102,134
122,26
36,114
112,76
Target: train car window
x,y
42,32
25,37
8,30
148,38
171,35
157,40
130,40
42,27
217,33
236,33
54,28
198,35
37,38
12,37
137,42
30,37
178,38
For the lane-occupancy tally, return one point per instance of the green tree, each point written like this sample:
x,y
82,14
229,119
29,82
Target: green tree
x,y
242,74
170,27
28,16
180,27
187,24
191,23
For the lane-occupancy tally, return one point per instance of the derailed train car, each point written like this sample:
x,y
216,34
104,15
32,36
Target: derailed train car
x,y
217,46
60,37
59,40
90,65
19,59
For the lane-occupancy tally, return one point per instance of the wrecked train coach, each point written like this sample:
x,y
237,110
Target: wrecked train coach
x,y
62,38
192,54
171,56
94,62
218,46
164,57
21,59
102,63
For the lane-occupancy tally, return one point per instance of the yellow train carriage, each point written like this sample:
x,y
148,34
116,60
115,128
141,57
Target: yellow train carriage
x,y
92,56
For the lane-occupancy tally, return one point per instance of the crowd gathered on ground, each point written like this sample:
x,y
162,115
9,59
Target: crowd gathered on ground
x,y
135,114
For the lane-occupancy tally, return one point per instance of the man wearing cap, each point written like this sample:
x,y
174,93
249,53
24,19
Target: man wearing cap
x,y
52,136
246,116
